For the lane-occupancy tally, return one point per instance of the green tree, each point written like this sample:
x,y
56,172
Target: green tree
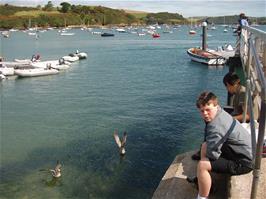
x,y
65,7
49,6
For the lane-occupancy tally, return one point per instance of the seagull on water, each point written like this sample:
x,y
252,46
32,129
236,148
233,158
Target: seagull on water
x,y
56,172
121,143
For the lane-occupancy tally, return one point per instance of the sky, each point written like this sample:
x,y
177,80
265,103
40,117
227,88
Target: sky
x,y
187,8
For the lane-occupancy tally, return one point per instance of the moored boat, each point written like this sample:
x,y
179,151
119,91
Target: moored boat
x,y
155,35
205,57
35,72
55,64
70,58
80,55
106,34
192,32
2,76
67,33
7,70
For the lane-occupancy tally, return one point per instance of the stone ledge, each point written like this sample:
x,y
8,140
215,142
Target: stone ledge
x,y
239,187
174,184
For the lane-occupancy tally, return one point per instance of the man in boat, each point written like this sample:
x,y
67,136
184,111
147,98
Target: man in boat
x,y
238,92
227,146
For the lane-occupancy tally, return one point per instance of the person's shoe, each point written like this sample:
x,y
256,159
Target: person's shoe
x,y
193,179
196,156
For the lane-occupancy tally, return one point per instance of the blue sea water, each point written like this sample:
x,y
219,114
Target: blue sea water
x,y
144,86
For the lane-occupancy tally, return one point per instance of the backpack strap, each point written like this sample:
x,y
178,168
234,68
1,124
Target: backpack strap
x,y
221,141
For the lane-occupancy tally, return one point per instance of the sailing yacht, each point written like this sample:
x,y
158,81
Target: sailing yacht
x,y
191,31
225,26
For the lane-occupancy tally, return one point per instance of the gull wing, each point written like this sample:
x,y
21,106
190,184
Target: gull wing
x,y
117,140
58,166
124,140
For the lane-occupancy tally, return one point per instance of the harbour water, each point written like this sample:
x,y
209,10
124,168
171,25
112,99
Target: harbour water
x,y
141,85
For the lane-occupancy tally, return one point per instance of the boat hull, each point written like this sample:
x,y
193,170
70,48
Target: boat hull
x,y
7,70
35,72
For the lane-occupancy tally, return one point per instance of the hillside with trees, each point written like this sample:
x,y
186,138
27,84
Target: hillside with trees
x,y
77,15
80,15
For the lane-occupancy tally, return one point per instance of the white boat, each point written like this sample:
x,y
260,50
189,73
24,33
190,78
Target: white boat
x,y
15,64
28,61
55,64
226,51
70,58
5,34
2,77
80,55
192,32
67,33
35,72
205,57
121,30
96,33
34,58
61,66
32,33
141,34
7,70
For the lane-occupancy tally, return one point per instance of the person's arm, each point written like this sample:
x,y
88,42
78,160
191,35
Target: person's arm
x,y
213,136
240,117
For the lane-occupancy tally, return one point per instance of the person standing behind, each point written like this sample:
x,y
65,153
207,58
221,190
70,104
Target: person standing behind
x,y
243,21
227,146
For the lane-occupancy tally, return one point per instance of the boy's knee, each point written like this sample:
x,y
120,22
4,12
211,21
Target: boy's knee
x,y
204,165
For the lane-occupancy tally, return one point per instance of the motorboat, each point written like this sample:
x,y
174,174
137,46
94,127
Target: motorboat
x,y
225,51
35,72
2,77
155,35
6,70
70,58
192,32
121,30
80,55
55,64
15,64
34,58
67,33
5,34
105,34
141,34
205,56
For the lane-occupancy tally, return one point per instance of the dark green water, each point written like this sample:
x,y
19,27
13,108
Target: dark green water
x,y
141,85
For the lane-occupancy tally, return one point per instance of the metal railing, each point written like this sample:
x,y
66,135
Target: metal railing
x,y
252,51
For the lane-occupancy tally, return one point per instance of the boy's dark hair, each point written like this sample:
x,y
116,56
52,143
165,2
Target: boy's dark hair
x,y
205,98
231,78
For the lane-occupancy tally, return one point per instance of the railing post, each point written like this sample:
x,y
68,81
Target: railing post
x,y
264,59
256,171
254,64
247,68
